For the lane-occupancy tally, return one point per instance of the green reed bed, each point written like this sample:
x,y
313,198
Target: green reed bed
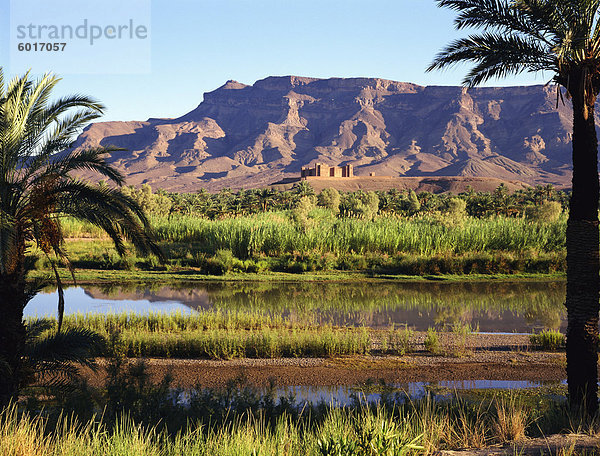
x,y
177,322
253,334
73,228
219,335
228,344
275,234
273,241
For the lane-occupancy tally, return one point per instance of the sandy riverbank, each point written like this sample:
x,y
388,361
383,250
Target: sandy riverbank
x,y
488,357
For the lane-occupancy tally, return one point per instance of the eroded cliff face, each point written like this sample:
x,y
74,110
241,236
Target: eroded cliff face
x,y
250,136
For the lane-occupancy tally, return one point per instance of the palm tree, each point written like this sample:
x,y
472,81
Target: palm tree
x,y
562,37
265,197
36,190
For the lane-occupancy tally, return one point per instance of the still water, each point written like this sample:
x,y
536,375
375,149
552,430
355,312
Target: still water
x,y
345,395
348,395
519,307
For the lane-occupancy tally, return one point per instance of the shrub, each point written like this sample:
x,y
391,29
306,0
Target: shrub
x,y
548,340
363,205
301,211
398,341
461,333
457,208
224,261
330,199
432,342
549,211
152,203
414,204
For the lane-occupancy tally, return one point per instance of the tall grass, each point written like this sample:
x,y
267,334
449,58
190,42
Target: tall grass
x,y
176,322
366,432
273,241
275,234
219,335
422,426
228,344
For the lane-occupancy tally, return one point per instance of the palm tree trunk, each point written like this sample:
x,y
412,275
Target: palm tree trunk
x,y
583,266
12,335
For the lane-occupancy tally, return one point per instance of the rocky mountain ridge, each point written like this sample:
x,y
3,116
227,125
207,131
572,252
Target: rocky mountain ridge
x,y
244,136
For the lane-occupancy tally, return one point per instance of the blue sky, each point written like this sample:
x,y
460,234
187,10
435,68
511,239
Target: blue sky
x,y
197,45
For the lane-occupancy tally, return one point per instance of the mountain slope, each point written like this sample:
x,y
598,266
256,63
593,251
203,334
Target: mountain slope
x,y
251,136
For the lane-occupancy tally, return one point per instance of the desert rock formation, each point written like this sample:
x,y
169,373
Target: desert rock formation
x,y
244,136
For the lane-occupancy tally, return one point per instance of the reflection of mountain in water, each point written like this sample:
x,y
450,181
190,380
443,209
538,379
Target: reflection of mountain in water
x,y
195,298
493,307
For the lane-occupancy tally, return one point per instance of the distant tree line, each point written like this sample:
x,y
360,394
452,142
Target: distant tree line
x,y
540,202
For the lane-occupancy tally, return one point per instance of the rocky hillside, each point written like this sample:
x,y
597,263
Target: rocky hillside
x,y
251,136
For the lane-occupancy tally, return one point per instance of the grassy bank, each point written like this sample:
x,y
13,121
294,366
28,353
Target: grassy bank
x,y
278,242
219,335
172,276
251,423
257,334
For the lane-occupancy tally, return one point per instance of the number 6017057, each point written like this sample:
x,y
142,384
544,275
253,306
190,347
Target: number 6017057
x,y
39,47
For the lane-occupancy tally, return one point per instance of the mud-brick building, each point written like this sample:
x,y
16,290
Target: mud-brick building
x,y
323,170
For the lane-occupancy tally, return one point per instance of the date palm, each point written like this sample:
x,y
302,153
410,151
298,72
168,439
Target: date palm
x,y
561,37
37,189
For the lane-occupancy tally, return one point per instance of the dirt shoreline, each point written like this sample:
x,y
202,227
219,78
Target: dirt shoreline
x,y
487,357
349,371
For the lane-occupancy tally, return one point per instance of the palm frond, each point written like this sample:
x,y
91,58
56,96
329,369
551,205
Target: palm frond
x,y
54,357
37,188
61,295
92,159
34,286
497,15
494,56
524,36
117,214
56,350
35,328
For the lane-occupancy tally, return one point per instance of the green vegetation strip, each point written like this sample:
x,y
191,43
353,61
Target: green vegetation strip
x,y
276,233
241,422
220,335
372,233
273,242
178,275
